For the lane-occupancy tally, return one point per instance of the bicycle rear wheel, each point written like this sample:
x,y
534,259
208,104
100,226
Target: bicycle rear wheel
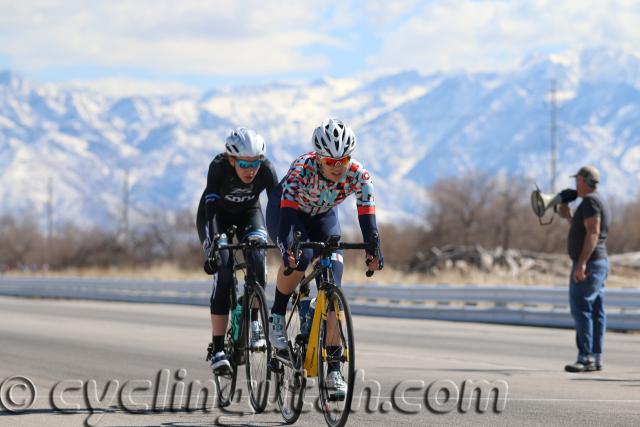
x,y
226,384
257,352
336,354
288,365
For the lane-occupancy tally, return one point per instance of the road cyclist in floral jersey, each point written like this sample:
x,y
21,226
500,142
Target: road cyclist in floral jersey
x,y
234,183
304,201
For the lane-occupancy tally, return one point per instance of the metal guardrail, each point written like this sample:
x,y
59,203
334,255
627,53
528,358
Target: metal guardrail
x,y
519,305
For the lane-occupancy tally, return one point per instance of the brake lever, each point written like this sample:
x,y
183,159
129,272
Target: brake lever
x,y
231,231
214,246
374,247
369,273
295,245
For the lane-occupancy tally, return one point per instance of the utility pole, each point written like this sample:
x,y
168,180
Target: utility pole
x,y
553,129
125,209
48,247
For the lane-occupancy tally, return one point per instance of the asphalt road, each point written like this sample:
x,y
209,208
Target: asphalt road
x,y
110,358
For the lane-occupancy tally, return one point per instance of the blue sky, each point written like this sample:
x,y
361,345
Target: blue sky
x,y
175,45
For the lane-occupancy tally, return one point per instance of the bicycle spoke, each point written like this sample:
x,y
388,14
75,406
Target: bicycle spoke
x,y
332,347
290,382
336,360
226,383
257,351
343,334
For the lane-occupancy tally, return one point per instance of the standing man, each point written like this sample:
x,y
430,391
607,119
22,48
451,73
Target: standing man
x,y
588,252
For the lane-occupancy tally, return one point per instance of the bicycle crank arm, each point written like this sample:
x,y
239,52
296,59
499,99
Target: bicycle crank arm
x,y
284,359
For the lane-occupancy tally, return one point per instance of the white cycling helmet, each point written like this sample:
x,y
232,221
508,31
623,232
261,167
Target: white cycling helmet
x,y
243,142
333,139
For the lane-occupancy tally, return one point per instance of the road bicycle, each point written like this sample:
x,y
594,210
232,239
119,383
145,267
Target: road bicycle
x,y
329,345
251,306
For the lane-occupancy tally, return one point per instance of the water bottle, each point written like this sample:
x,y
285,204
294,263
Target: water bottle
x,y
303,311
305,327
312,310
235,320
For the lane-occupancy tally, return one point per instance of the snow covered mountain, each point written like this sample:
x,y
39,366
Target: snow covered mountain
x,y
412,130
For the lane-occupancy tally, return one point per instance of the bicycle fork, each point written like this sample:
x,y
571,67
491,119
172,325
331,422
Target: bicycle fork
x,y
311,356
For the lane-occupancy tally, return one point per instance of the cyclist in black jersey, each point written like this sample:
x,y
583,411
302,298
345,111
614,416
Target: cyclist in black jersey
x,y
234,183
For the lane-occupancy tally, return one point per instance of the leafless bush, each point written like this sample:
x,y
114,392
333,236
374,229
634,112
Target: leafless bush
x,y
20,240
491,211
170,237
624,232
495,212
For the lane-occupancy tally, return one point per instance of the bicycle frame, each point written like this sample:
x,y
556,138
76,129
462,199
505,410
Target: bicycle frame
x,y
310,357
322,269
238,330
328,352
247,284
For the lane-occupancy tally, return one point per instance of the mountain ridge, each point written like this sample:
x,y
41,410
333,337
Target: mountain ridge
x,y
412,130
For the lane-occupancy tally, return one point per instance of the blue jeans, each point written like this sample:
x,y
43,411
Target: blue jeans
x,y
586,299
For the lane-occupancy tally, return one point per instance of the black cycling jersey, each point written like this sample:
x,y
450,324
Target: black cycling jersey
x,y
225,190
228,201
249,223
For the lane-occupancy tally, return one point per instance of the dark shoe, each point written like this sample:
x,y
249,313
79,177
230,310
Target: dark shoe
x,y
598,366
582,367
218,361
220,364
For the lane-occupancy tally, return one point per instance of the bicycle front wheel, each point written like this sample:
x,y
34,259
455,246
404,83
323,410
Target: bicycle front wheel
x,y
226,383
336,360
288,366
257,349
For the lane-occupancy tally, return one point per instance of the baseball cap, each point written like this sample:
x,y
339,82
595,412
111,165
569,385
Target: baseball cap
x,y
589,173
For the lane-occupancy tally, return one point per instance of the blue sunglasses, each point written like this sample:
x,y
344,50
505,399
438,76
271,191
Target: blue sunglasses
x,y
246,164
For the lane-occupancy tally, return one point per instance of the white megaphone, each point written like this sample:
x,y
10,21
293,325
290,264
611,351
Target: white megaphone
x,y
541,202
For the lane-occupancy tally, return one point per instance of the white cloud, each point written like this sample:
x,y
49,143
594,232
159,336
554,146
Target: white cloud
x,y
171,38
124,86
219,37
384,12
493,34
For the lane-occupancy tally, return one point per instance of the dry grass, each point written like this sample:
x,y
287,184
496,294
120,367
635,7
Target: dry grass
x,y
166,271
476,277
354,274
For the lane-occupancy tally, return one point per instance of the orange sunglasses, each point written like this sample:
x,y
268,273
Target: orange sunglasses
x,y
330,162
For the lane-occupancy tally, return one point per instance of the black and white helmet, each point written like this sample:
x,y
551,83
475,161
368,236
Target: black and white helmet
x,y
333,139
243,142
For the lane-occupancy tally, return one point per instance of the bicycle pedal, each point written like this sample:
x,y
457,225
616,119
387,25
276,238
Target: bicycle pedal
x,y
283,353
275,366
294,387
336,398
224,372
239,358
